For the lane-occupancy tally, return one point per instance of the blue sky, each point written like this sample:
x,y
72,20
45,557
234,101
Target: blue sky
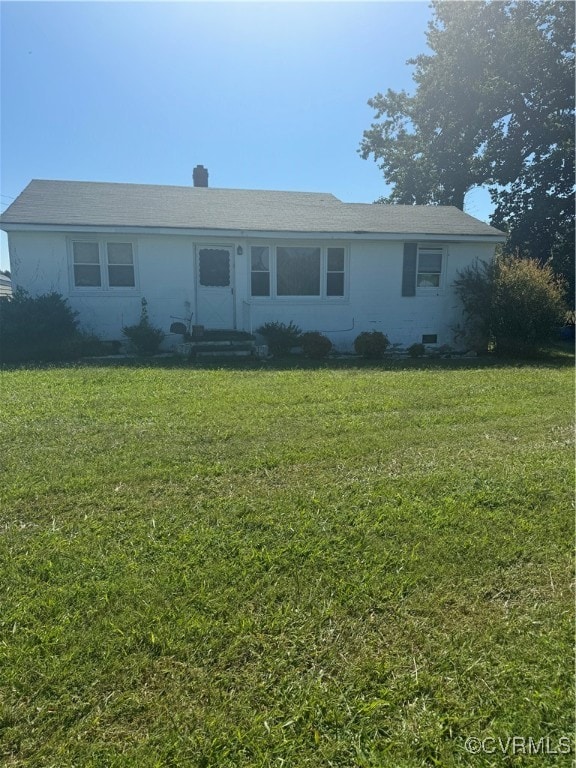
x,y
265,95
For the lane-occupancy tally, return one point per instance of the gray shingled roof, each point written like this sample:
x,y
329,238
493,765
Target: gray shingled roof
x,y
78,203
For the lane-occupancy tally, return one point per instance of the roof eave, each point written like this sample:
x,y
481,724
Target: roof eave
x,y
254,233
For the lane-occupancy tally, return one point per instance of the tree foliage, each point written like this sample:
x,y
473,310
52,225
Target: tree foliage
x,y
493,106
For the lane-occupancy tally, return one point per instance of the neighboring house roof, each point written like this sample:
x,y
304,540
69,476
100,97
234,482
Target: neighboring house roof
x,y
98,204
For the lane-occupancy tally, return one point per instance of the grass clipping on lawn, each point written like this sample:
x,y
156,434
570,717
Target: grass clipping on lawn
x,y
355,567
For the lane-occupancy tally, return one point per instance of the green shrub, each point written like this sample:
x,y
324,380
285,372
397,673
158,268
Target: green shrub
x,y
511,304
144,337
416,350
315,344
371,344
41,328
444,350
92,346
280,337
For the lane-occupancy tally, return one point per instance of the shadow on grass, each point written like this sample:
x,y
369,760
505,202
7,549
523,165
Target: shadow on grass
x,y
559,355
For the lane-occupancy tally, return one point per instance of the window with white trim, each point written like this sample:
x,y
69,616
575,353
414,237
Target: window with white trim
x,y
120,265
429,271
103,264
335,272
260,270
297,271
86,258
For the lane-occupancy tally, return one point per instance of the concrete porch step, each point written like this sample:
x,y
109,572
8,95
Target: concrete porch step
x,y
224,348
222,334
219,343
222,354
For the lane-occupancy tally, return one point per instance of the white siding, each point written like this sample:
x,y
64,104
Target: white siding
x,y
375,301
165,268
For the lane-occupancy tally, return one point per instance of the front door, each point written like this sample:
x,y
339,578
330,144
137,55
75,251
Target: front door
x,y
215,280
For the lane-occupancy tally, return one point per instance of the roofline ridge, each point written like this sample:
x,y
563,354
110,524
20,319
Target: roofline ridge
x,y
183,186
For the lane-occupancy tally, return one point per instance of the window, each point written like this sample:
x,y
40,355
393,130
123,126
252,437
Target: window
x,y
335,272
102,264
429,338
120,265
260,270
297,270
214,267
86,265
429,267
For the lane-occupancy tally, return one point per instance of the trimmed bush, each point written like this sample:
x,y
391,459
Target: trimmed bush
x,y
144,337
280,337
38,328
416,350
92,346
315,344
371,344
513,305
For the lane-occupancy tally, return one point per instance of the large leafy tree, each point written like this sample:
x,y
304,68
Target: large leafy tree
x,y
493,106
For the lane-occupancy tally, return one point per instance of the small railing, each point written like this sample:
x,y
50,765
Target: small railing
x,y
246,316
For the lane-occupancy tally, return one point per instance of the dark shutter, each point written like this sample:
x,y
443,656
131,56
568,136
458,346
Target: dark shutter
x,y
409,269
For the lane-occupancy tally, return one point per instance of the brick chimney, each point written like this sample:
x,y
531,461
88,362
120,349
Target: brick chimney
x,y
200,176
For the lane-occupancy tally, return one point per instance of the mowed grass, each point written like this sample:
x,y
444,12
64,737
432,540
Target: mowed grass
x,y
331,567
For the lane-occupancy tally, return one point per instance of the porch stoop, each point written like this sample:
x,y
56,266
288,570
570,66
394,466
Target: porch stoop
x,y
220,344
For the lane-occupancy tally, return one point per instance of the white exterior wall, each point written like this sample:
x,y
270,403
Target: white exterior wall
x,y
164,274
165,269
374,300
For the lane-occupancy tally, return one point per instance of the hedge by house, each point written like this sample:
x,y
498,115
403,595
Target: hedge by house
x,y
38,328
513,304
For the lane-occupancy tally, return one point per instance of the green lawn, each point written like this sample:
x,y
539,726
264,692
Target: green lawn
x,y
340,566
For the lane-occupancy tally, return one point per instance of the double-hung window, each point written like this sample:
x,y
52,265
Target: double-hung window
x,y
423,269
297,271
120,258
429,266
86,258
335,272
103,264
260,270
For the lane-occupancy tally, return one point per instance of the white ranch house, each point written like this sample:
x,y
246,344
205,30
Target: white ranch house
x,y
234,259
